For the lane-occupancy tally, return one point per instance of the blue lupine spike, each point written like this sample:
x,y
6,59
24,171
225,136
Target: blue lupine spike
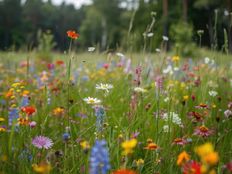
x,y
99,159
13,115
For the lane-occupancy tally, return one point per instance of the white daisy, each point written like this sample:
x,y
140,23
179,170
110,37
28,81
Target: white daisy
x,y
90,100
104,87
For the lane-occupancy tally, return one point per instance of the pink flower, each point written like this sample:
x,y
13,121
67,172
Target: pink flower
x,y
42,142
203,131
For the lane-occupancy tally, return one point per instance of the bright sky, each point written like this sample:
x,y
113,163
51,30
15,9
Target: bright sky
x,y
76,3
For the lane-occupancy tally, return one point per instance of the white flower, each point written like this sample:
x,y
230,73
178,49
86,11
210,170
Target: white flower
x,y
166,99
226,13
91,49
90,100
140,90
176,68
120,55
166,128
213,93
173,117
104,87
207,60
165,38
150,34
157,50
168,70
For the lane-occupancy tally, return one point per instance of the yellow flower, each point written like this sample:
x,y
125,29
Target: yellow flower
x,y
85,145
204,149
185,97
58,111
214,106
3,158
2,119
207,154
25,93
42,167
139,162
2,129
175,58
182,158
128,146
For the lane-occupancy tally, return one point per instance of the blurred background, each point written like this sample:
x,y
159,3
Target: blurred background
x,y
116,24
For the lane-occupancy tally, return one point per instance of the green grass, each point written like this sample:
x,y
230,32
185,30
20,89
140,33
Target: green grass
x,y
117,107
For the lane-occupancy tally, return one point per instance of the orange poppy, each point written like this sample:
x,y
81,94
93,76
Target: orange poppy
x,y
72,34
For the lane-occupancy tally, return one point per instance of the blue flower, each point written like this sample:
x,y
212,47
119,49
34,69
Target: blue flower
x,y
13,115
66,136
100,114
99,159
25,101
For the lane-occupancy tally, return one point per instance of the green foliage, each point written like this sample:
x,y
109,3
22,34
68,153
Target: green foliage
x,y
182,33
46,44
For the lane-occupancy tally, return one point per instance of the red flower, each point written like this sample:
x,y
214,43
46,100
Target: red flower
x,y
60,62
192,167
29,110
106,65
72,34
124,171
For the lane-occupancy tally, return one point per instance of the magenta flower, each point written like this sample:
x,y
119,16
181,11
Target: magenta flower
x,y
42,142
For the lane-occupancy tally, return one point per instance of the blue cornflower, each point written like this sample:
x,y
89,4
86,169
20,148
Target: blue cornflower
x,y
99,159
66,136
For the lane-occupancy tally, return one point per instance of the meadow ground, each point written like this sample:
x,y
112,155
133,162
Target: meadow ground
x,y
114,113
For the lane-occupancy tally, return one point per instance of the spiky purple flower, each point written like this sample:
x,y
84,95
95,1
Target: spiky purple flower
x,y
42,142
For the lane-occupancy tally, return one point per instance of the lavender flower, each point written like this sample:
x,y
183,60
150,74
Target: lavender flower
x,y
42,142
99,159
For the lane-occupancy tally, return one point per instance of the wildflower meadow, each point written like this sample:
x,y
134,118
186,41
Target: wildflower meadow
x,y
119,114
116,111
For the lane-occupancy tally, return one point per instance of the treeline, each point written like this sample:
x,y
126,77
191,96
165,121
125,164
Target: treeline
x,y
134,25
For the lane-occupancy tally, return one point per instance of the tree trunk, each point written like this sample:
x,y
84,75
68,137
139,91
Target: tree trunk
x,y
165,17
185,10
228,5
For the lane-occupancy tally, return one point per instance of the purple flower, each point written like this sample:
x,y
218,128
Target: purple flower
x,y
42,142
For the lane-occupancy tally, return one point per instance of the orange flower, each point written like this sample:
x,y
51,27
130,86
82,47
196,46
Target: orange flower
x,y
23,121
58,111
72,34
124,171
182,158
151,146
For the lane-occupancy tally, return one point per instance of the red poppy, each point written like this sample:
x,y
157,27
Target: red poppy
x,y
73,34
29,110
